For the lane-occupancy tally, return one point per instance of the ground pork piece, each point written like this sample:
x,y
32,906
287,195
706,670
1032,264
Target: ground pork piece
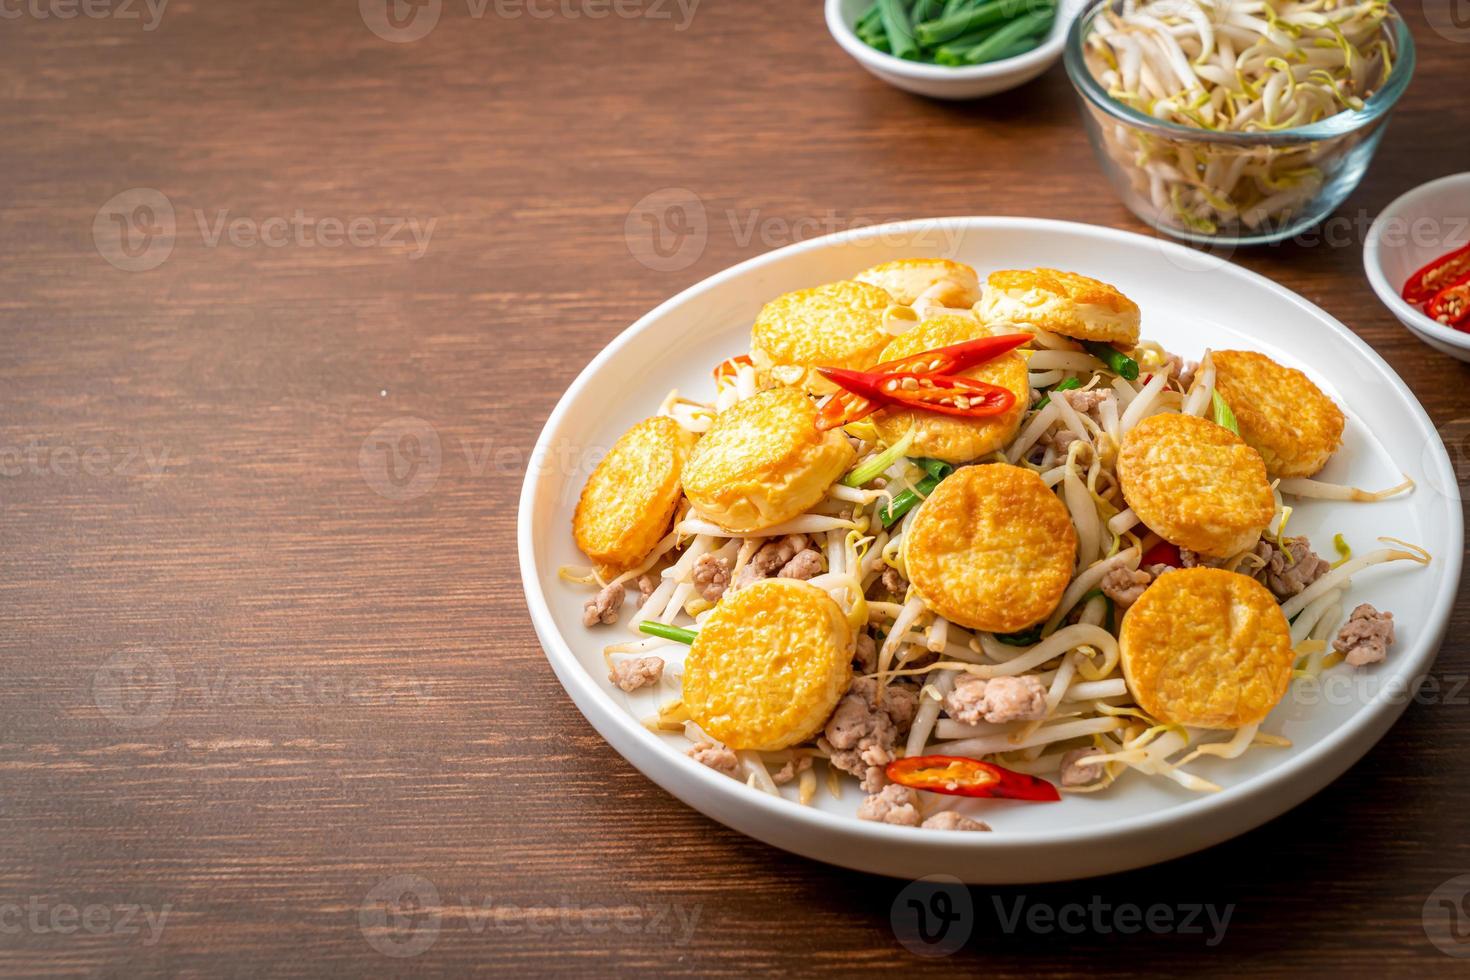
x,y
711,576
865,654
1058,439
1365,637
647,584
1074,774
1193,559
892,804
997,700
630,675
1158,569
770,558
1289,571
949,820
717,757
803,566
792,769
603,607
1086,401
1180,369
1124,585
861,734
893,581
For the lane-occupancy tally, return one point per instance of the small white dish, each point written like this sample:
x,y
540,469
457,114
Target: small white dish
x,y
940,81
1186,306
1416,229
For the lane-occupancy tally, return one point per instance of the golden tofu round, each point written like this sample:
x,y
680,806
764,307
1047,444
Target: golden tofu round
x,y
769,665
763,461
991,549
1206,648
1062,302
1196,484
1282,415
951,284
631,495
956,440
836,325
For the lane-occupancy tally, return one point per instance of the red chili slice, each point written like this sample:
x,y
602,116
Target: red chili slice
x,y
955,775
1162,553
948,395
730,367
849,405
1451,306
1445,271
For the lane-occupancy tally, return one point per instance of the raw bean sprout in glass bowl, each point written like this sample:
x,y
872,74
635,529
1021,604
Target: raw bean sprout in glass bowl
x,y
1237,121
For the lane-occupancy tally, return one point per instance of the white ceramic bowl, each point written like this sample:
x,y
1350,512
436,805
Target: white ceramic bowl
x,y
939,81
1186,306
1415,229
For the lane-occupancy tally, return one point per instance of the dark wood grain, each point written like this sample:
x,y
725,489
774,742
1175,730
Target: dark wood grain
x,y
356,691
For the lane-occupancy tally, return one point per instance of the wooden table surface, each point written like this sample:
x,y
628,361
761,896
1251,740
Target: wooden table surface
x,y
260,686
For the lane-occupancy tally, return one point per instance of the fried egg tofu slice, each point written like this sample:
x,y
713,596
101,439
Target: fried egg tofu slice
x,y
908,279
1195,484
1281,414
631,495
946,437
991,549
839,324
769,665
1206,648
763,461
1063,302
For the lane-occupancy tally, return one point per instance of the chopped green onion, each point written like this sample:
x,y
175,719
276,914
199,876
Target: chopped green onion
x,y
936,468
993,47
676,633
1117,361
874,467
907,501
898,28
1221,414
968,19
1066,384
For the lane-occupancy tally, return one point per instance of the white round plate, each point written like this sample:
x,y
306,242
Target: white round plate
x,y
1189,302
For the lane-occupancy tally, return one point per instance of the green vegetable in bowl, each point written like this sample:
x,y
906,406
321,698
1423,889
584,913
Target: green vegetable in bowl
x,y
955,33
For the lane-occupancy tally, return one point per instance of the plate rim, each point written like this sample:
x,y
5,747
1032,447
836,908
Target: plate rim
x,y
1381,710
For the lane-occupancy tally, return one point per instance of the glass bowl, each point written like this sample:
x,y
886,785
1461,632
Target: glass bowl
x,y
1174,177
